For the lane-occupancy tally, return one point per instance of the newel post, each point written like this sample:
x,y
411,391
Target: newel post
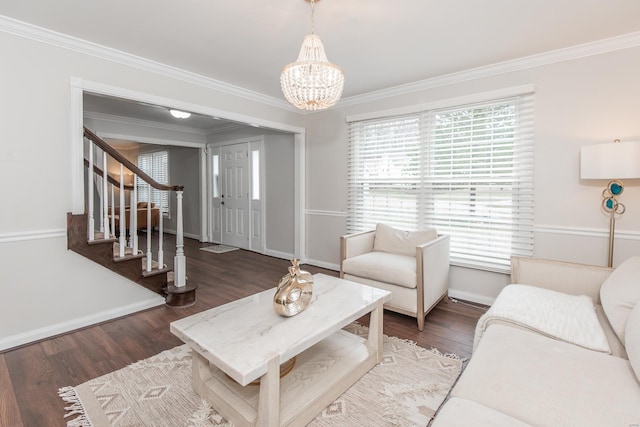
x,y
180,294
179,261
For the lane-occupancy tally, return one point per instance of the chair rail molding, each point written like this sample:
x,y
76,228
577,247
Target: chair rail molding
x,y
325,213
586,232
33,235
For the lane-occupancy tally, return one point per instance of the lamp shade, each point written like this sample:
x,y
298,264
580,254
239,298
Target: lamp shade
x,y
614,160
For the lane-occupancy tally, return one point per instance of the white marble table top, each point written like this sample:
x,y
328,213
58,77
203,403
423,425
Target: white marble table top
x,y
240,337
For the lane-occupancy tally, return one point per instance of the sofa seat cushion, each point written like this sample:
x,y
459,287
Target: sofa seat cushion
x,y
545,382
620,293
633,339
392,240
464,413
383,267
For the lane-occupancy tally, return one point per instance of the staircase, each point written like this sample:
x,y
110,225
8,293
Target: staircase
x,y
95,235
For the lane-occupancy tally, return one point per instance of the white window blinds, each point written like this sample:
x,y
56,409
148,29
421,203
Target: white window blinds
x,y
156,165
465,171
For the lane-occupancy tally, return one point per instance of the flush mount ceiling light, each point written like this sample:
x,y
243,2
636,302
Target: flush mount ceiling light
x,y
180,114
312,82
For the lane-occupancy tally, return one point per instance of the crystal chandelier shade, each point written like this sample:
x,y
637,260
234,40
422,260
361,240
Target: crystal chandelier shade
x,y
312,82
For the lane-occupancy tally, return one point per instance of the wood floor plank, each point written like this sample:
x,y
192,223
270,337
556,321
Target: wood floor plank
x,y
9,410
36,371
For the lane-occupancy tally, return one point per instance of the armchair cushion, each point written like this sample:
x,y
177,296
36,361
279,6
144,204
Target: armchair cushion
x,y
389,239
620,293
384,267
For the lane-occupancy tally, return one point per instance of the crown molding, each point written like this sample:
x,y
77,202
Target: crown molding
x,y
625,41
227,127
54,38
75,44
140,122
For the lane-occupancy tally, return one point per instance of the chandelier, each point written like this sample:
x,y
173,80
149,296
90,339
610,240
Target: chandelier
x,y
312,82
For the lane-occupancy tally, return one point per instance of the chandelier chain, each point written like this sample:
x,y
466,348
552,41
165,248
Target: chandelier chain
x,y
313,20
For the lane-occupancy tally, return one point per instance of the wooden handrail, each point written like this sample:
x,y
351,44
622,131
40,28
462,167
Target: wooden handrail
x,y
133,168
111,179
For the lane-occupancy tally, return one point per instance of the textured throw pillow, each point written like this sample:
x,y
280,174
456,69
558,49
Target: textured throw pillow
x,y
620,293
632,336
389,239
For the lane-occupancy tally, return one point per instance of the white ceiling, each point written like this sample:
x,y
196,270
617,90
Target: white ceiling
x,y
379,43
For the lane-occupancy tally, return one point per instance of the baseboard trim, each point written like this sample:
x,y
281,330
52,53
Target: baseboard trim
x,y
471,297
74,324
278,254
189,235
322,264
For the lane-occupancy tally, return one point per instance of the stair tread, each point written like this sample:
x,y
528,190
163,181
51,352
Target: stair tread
x,y
128,253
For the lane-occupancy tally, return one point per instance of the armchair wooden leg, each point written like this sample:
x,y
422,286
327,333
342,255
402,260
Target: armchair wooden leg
x,y
420,322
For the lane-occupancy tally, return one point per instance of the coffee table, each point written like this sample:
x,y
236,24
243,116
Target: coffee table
x,y
246,340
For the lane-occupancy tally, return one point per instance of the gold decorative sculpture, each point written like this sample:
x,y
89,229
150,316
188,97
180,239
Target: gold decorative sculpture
x,y
294,291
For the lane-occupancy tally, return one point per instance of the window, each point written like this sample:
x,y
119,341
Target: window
x,y
465,171
215,166
255,174
156,165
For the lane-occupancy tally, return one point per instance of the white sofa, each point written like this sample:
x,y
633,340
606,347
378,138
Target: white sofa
x,y
519,376
413,266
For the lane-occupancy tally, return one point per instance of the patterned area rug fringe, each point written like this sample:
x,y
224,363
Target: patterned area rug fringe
x,y
69,395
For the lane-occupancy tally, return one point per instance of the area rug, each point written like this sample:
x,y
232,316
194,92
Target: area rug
x,y
218,249
405,389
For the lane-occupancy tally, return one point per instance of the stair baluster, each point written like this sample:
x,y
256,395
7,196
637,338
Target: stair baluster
x,y
149,229
113,210
134,214
104,200
91,228
123,216
160,240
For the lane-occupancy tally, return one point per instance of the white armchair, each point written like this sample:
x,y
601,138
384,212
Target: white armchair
x,y
413,266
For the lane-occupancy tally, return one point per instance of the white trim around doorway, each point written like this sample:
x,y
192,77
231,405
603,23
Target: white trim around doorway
x,y
78,86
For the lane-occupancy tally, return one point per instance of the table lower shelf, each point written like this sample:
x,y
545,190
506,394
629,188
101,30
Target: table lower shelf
x,y
321,374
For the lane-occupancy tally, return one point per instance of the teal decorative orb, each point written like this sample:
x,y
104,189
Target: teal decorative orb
x,y
615,188
609,203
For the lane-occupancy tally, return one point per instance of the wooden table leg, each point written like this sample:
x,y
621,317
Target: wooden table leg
x,y
374,339
201,372
269,400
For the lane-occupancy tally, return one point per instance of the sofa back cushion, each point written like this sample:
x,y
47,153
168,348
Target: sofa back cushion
x,y
389,239
632,338
620,293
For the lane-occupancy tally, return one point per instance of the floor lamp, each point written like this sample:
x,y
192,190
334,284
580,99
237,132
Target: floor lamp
x,y
613,161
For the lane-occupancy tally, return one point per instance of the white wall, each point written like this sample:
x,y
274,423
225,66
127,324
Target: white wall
x,y
35,161
582,101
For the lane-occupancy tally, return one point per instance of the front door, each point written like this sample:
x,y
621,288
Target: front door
x,y
234,195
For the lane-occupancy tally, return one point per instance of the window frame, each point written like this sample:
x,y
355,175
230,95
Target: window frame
x,y
513,178
159,197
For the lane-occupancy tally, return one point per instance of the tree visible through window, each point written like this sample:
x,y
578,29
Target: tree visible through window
x,y
156,165
465,171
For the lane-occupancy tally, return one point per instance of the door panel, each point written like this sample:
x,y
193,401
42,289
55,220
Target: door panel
x,y
234,197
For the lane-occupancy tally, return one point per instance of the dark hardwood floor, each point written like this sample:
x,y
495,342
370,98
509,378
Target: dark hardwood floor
x,y
31,375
